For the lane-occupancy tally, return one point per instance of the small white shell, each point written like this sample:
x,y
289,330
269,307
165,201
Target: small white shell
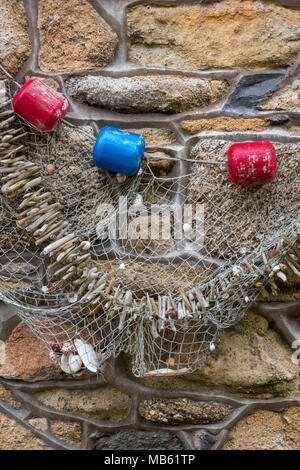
x,y
237,270
87,355
138,201
187,228
75,363
67,347
64,364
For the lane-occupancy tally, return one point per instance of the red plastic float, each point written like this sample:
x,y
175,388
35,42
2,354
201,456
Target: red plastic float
x,y
40,105
252,163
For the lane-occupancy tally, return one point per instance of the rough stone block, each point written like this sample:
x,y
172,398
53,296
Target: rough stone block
x,y
223,35
147,94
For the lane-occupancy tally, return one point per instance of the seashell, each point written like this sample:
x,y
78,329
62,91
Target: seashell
x,y
72,298
52,356
75,363
187,228
67,347
87,355
212,347
64,364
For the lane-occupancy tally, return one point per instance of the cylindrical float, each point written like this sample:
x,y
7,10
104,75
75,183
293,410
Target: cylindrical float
x,y
40,105
118,150
252,163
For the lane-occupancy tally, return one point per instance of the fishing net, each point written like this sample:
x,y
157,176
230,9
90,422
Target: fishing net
x,y
155,266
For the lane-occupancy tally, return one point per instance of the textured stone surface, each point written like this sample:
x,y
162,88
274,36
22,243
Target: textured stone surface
x,y
67,432
183,411
106,402
39,423
139,440
250,360
5,395
267,430
26,358
224,124
73,37
49,81
159,164
294,129
8,321
278,120
227,34
158,138
165,94
250,91
146,236
15,46
155,137
292,3
15,437
287,98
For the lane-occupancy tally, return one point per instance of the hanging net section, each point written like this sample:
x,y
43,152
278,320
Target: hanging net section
x,y
152,265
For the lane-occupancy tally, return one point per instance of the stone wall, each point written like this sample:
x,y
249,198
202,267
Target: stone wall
x,y
181,73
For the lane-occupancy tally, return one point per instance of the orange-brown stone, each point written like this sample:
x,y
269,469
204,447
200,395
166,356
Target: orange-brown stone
x,y
267,430
224,124
15,46
74,37
226,34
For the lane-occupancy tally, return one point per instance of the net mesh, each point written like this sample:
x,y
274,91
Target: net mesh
x,y
165,290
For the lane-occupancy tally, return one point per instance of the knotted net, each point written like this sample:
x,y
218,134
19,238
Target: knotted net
x,y
155,266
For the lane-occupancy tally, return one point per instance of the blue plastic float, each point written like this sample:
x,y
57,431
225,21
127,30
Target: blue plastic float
x,y
118,150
